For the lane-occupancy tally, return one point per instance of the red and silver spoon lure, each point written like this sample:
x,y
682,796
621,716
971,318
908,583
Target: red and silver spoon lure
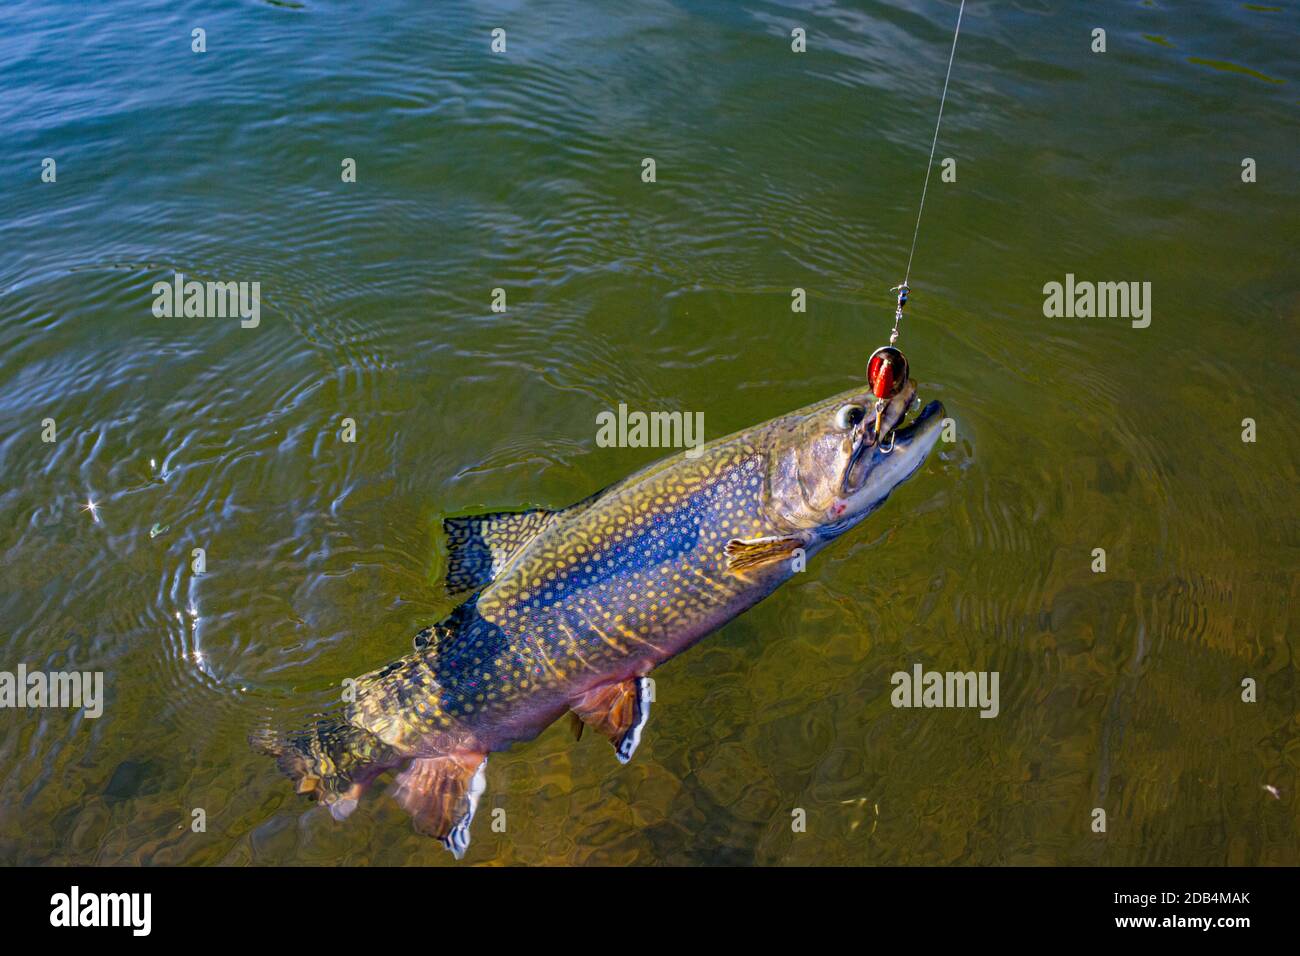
x,y
887,368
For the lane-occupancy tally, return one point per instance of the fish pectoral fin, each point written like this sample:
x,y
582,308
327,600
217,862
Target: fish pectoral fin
x,y
441,795
753,552
479,546
619,711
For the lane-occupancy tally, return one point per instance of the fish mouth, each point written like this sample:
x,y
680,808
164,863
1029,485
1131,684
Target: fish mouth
x,y
929,417
898,453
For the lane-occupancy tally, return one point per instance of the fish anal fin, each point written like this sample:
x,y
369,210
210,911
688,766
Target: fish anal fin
x,y
617,710
441,795
479,546
743,554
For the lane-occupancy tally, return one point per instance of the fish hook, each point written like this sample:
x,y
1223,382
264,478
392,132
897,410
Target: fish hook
x,y
883,449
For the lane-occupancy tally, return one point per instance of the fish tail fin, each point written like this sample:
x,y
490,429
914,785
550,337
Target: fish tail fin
x,y
332,761
439,776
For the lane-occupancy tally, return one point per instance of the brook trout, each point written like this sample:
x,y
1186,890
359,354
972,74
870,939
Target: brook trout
x,y
568,611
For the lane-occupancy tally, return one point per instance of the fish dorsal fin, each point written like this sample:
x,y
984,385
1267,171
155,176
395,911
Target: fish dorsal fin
x,y
479,546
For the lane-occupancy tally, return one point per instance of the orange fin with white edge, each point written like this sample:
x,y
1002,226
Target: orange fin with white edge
x,y
619,711
441,795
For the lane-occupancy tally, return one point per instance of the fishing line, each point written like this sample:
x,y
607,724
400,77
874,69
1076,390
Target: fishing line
x,y
887,368
933,144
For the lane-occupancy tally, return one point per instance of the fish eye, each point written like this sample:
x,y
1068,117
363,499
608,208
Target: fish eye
x,y
850,415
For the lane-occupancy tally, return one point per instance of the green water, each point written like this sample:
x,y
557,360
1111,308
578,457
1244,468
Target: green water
x,y
522,171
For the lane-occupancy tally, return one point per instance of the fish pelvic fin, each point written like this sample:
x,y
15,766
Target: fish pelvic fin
x,y
743,554
618,710
441,794
479,546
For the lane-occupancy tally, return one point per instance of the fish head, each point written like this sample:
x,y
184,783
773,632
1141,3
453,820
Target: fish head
x,y
830,468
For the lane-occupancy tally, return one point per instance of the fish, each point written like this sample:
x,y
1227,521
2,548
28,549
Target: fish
x,y
569,611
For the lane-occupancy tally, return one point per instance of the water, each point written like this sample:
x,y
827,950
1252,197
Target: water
x,y
775,170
